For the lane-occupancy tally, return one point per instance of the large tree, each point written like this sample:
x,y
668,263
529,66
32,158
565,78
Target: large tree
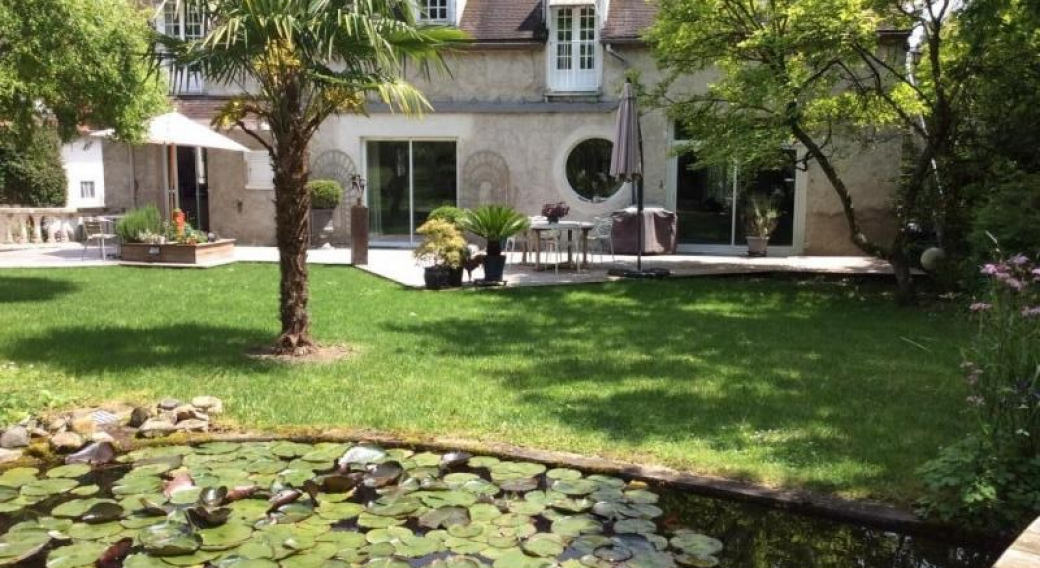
x,y
296,62
76,63
820,74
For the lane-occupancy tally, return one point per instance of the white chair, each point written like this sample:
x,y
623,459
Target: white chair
x,y
600,238
94,231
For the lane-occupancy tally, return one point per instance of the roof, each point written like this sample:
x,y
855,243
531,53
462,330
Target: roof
x,y
504,21
627,20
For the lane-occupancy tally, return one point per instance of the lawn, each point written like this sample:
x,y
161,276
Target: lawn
x,y
818,385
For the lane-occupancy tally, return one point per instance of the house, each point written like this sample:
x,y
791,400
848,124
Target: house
x,y
525,118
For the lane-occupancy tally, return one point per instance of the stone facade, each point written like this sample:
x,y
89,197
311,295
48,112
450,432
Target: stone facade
x,y
512,141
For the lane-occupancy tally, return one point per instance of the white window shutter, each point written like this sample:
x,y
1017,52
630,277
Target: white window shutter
x,y
259,174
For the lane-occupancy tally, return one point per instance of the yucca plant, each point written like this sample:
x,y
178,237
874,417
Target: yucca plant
x,y
299,62
496,223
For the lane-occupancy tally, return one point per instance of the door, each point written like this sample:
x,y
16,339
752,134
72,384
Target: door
x,y
193,185
407,179
573,49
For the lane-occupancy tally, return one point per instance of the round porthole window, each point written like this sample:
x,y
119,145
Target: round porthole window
x,y
588,170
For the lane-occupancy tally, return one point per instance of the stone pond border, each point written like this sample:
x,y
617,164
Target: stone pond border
x,y
872,514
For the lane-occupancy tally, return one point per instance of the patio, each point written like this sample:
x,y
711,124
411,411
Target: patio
x,y
396,264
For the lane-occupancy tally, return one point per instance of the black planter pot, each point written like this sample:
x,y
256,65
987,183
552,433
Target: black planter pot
x,y
455,276
437,277
494,267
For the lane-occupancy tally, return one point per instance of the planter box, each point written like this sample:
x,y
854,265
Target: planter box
x,y
203,253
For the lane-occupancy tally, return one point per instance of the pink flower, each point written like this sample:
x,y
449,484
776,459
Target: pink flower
x,y
1028,312
980,306
1019,260
991,269
1015,283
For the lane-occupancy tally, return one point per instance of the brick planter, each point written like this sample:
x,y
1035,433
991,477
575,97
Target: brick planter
x,y
203,253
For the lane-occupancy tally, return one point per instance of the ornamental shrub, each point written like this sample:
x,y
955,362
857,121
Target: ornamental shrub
x,y
325,193
139,224
31,171
992,478
1011,215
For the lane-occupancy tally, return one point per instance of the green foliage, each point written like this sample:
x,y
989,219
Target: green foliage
x,y
448,213
495,223
993,477
137,224
31,170
325,193
442,244
82,61
761,215
1010,212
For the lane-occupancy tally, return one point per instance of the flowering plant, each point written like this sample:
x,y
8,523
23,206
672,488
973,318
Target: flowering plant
x,y
555,210
992,477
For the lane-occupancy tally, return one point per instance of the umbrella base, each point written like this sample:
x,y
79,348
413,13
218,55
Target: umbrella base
x,y
644,273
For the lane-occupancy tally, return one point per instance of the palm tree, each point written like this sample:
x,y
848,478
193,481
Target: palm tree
x,y
297,62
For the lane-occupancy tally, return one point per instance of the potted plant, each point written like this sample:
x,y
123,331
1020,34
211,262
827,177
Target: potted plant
x,y
442,250
145,238
761,217
555,211
325,197
453,215
495,223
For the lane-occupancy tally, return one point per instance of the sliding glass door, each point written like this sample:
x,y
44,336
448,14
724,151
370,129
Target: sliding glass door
x,y
407,179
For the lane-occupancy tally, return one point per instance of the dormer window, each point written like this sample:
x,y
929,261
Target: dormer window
x,y
183,21
574,53
439,11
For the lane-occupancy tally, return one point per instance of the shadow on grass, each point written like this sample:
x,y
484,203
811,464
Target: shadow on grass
x,y
90,349
23,289
802,377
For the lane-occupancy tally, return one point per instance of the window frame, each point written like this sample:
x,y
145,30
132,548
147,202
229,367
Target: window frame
x,y
619,186
176,15
253,160
423,8
574,56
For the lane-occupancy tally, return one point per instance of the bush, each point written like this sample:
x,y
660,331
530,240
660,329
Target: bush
x,y
1011,213
325,193
137,225
993,477
448,213
442,244
31,171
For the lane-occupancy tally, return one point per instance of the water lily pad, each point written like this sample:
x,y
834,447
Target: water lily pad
x,y
695,544
102,512
697,560
339,511
518,484
413,546
7,493
69,471
575,486
435,499
461,561
389,562
529,508
484,512
466,531
75,555
483,462
635,526
196,558
544,544
83,531
169,539
563,473
444,517
217,448
225,536
512,470
576,526
517,559
15,548
47,487
371,521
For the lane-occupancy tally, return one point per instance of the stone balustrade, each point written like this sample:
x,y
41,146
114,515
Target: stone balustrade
x,y
24,225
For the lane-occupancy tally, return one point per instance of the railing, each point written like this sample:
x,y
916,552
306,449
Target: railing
x,y
23,225
575,79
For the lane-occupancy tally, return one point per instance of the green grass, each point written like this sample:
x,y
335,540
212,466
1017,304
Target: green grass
x,y
814,385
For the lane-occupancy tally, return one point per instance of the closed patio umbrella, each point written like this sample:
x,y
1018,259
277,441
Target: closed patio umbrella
x,y
626,164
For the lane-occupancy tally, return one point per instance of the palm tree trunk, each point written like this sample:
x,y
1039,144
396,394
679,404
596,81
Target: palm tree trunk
x,y
292,225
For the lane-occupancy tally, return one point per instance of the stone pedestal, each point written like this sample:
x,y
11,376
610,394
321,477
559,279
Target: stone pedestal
x,y
359,234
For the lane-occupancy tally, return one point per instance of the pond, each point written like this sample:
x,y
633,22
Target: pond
x,y
284,504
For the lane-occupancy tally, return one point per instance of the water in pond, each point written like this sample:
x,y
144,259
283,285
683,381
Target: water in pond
x,y
290,505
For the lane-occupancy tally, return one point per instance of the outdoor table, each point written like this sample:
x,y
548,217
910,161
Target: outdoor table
x,y
570,227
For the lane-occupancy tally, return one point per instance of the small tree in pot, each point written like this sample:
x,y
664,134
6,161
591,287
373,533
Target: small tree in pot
x,y
325,197
495,223
761,216
442,250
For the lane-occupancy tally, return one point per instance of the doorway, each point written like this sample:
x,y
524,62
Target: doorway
x,y
193,185
407,179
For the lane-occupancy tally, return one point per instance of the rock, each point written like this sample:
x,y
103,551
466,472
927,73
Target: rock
x,y
139,416
39,433
66,442
208,404
193,425
58,425
156,427
102,437
14,437
188,412
169,403
9,455
83,425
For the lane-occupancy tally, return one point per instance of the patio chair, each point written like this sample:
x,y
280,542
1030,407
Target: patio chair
x,y
94,231
600,238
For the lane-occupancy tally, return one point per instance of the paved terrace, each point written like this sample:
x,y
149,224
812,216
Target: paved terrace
x,y
397,264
